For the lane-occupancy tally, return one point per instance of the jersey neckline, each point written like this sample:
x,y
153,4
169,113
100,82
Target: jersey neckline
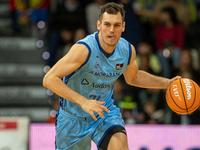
x,y
101,49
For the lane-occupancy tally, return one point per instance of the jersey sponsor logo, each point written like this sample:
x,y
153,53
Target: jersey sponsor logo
x,y
95,85
119,66
188,87
176,93
100,86
84,82
105,74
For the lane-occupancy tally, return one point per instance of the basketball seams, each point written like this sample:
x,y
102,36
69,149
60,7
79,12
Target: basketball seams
x,y
192,110
173,99
179,112
183,95
194,94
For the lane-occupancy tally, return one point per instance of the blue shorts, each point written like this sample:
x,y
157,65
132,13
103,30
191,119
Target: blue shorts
x,y
76,133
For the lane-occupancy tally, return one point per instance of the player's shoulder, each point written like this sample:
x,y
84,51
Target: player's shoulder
x,y
79,50
132,53
88,37
123,40
124,44
89,41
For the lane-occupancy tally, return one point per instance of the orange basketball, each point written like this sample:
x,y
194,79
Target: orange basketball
x,y
183,96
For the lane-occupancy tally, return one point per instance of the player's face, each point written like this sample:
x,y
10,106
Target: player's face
x,y
110,29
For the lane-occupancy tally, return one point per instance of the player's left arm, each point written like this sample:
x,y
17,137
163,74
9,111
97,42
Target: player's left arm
x,y
143,79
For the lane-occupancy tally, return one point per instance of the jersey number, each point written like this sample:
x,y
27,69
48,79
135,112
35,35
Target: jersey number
x,y
97,97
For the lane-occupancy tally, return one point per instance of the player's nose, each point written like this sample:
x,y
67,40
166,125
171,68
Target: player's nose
x,y
112,29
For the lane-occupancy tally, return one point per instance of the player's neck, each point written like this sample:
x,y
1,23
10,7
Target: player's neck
x,y
107,48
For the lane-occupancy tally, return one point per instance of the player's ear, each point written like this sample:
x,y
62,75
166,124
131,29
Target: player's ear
x,y
98,24
123,26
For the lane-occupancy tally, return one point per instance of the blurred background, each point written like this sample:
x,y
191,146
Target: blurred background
x,y
35,34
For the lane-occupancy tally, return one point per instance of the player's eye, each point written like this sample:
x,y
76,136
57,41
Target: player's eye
x,y
107,24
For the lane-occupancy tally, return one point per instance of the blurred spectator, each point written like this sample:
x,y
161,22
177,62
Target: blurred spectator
x,y
192,8
145,65
145,49
78,34
54,106
154,98
156,95
119,91
149,109
193,32
22,10
144,9
185,68
92,14
169,38
14,16
129,109
150,13
18,14
39,16
134,31
182,12
150,114
68,18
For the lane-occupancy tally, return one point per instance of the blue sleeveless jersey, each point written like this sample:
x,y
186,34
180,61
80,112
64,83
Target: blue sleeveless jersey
x,y
95,78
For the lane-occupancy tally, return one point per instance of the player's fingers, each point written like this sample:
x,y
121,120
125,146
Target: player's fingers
x,y
93,116
175,78
105,109
178,77
100,112
101,103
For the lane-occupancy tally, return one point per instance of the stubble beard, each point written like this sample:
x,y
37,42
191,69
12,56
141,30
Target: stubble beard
x,y
108,44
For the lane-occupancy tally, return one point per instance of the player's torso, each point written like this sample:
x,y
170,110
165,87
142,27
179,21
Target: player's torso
x,y
95,79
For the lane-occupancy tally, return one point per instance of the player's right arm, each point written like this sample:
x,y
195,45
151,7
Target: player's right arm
x,y
135,77
65,66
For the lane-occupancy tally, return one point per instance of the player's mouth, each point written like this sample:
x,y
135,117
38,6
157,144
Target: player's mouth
x,y
111,37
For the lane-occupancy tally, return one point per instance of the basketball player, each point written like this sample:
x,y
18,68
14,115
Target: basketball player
x,y
84,80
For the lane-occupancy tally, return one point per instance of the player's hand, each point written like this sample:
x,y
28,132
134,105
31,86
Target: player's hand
x,y
92,106
175,78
